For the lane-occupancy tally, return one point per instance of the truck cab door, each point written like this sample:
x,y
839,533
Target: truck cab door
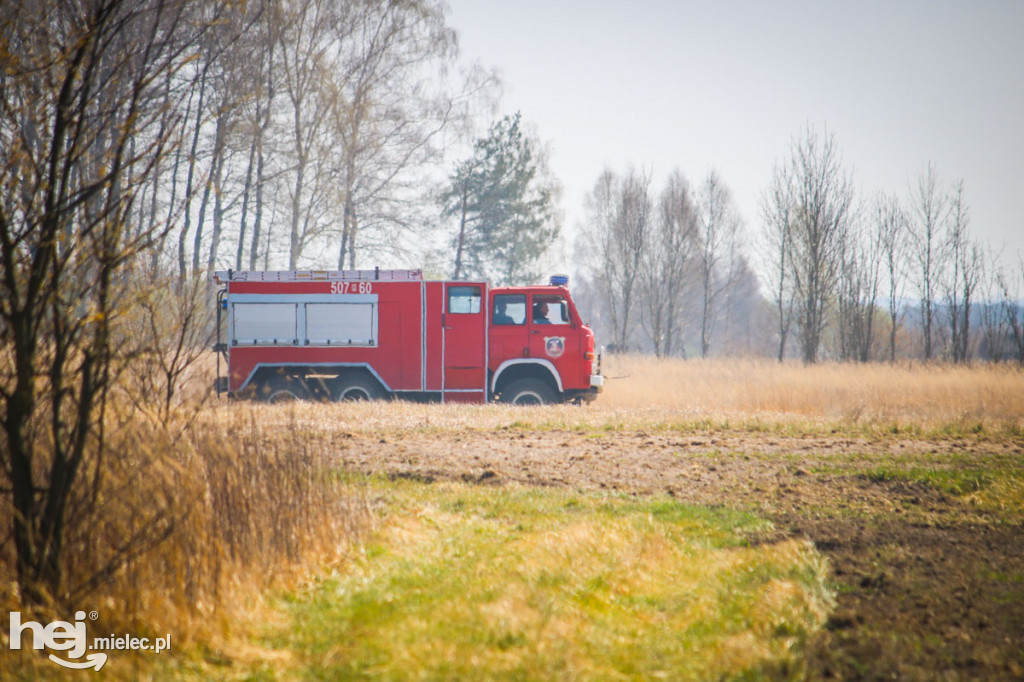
x,y
553,335
509,331
464,338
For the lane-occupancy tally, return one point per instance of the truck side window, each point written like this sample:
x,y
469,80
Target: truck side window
x,y
550,310
509,309
464,299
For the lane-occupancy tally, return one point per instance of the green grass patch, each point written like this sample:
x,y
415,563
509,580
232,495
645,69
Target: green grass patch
x,y
993,488
469,582
957,482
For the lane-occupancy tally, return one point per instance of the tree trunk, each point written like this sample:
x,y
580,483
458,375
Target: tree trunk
x,y
463,219
246,190
183,236
216,172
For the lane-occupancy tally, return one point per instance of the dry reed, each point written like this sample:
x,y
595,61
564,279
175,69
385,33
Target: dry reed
x,y
645,392
191,521
927,394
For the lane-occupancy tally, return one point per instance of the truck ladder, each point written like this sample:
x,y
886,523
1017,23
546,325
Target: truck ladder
x,y
375,275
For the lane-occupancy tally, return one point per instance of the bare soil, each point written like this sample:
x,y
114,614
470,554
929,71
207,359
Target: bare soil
x,y
929,586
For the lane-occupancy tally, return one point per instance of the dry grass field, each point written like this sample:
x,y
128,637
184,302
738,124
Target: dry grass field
x,y
908,479
914,394
906,482
750,395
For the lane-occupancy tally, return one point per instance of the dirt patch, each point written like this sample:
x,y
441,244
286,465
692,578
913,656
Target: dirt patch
x,y
928,586
921,602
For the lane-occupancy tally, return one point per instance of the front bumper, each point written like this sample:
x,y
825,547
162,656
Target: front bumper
x,y
597,381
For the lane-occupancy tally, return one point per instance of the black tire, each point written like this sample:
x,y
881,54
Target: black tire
x,y
283,389
356,387
527,392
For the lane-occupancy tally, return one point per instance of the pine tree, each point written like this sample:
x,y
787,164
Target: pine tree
x,y
504,201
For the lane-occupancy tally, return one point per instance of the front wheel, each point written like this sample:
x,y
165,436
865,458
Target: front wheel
x,y
527,392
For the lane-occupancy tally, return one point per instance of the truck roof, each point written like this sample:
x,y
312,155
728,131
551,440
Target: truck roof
x,y
375,275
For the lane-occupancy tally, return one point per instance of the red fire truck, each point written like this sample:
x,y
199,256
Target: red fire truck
x,y
369,334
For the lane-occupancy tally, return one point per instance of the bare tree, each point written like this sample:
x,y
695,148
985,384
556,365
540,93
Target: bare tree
x,y
812,196
891,228
191,180
263,101
619,212
213,185
310,36
164,172
961,278
216,100
860,258
392,103
1009,286
667,264
719,223
243,93
80,128
777,229
994,323
929,210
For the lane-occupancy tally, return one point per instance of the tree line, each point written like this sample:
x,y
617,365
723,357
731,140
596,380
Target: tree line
x,y
665,268
310,131
840,276
315,133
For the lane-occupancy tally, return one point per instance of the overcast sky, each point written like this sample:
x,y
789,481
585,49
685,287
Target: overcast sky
x,y
726,85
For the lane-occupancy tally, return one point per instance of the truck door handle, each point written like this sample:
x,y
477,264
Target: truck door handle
x,y
534,331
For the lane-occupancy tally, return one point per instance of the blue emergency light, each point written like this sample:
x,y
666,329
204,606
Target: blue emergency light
x,y
560,281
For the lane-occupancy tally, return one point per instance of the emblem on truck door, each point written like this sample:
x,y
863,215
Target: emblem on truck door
x,y
554,346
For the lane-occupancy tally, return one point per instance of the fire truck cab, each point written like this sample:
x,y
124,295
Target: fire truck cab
x,y
369,334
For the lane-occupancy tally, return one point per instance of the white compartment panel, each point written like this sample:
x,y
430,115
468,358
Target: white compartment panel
x,y
341,324
264,323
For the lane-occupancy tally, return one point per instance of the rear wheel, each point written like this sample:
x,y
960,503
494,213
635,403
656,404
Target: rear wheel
x,y
527,392
357,387
283,389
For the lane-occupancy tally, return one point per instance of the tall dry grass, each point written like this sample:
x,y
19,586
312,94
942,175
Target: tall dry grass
x,y
645,392
925,394
190,520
